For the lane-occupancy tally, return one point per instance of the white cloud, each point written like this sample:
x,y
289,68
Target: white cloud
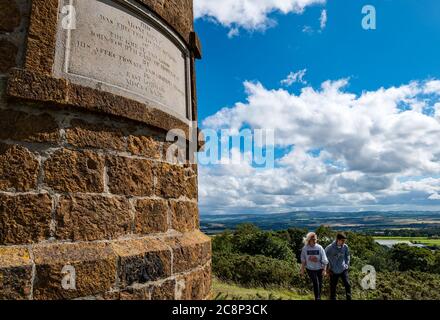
x,y
295,77
248,14
308,30
437,110
433,86
378,148
434,196
323,19
234,32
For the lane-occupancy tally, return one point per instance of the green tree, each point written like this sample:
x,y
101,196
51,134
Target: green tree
x,y
244,238
295,238
274,247
248,239
325,235
436,263
254,270
412,258
222,243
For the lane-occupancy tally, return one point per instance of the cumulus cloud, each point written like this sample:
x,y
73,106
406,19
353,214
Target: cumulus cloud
x,y
340,149
433,86
248,14
295,77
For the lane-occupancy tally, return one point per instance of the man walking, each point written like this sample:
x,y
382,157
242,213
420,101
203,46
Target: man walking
x,y
338,256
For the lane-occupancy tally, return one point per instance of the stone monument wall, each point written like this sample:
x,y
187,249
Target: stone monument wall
x,y
90,206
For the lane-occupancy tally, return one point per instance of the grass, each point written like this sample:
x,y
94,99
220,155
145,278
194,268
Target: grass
x,y
226,291
422,240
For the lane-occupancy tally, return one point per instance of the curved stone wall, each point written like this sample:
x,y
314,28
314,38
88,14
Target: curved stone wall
x,y
90,208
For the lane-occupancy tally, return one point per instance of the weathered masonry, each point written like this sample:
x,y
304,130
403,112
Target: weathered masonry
x,y
91,207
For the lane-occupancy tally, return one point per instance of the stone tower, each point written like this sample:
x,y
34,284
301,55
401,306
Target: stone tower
x,y
92,205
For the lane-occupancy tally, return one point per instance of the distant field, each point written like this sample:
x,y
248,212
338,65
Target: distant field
x,y
225,291
344,221
421,240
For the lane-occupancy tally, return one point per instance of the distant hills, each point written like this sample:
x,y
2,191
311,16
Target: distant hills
x,y
355,221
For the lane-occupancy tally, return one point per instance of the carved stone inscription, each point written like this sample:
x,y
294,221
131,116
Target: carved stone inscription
x,y
116,49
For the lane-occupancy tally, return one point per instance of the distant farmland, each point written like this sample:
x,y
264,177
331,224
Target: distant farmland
x,y
417,240
354,221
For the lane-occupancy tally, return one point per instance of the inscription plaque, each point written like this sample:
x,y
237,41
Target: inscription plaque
x,y
120,47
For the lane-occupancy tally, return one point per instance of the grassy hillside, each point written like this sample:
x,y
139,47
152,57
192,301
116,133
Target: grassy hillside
x,y
230,291
250,263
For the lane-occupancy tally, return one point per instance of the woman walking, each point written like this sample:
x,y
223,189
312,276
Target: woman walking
x,y
314,260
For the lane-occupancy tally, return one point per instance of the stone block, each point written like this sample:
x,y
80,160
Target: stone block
x,y
145,146
73,171
151,216
92,217
24,218
164,291
18,168
21,126
131,177
15,273
184,215
174,181
195,285
191,250
93,266
142,261
94,135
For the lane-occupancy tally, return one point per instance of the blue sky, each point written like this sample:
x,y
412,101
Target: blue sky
x,y
401,56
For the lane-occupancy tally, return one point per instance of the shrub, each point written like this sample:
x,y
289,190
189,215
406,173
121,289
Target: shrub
x,y
222,243
253,270
412,258
436,264
294,238
248,239
410,285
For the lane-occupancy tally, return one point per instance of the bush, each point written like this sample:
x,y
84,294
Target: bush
x,y
381,259
436,264
253,271
325,236
222,243
412,258
248,239
294,238
410,285
243,239
268,245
